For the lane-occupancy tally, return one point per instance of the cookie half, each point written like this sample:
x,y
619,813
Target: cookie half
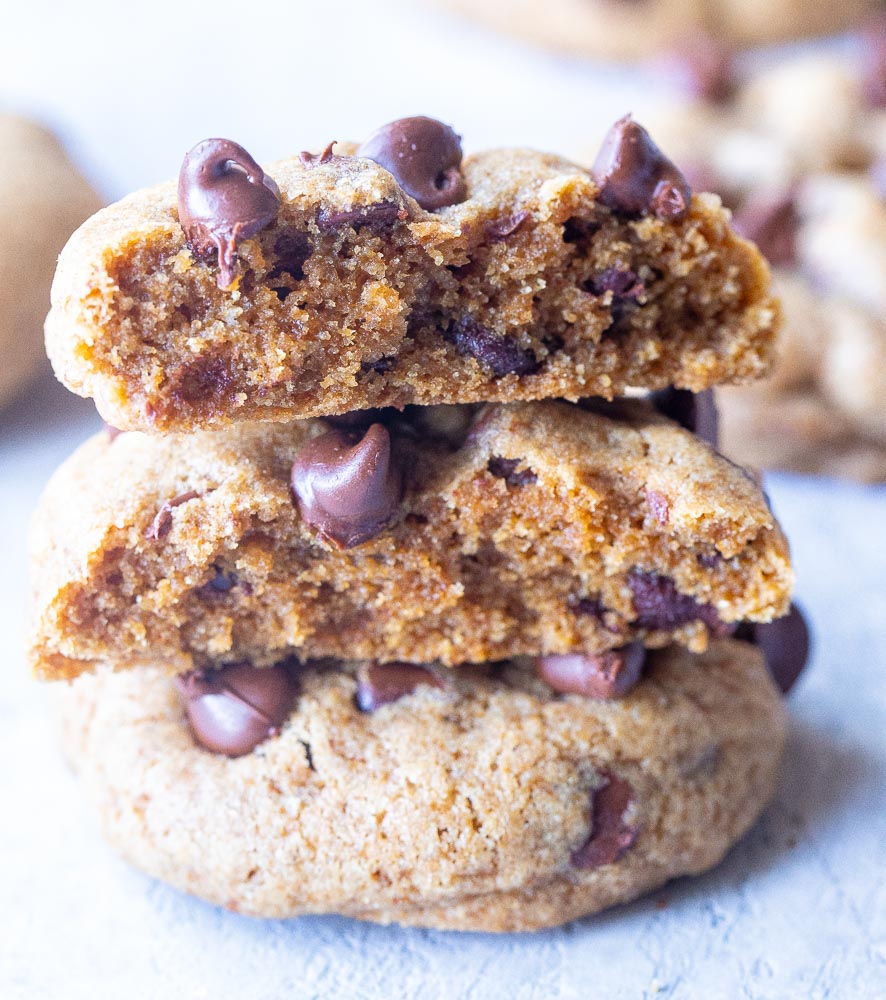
x,y
491,805
543,281
447,535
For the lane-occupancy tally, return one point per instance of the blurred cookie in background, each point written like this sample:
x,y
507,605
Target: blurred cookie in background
x,y
629,29
797,150
43,199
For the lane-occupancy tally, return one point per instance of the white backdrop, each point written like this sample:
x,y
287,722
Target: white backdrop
x,y
798,909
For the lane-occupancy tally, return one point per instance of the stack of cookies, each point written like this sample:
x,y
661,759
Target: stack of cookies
x,y
406,580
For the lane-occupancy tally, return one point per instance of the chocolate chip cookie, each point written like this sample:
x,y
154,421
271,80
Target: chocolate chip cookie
x,y
456,535
396,273
626,29
810,188
42,200
488,802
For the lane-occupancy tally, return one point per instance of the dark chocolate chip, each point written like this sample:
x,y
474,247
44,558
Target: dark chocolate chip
x,y
701,66
424,156
636,178
503,355
292,248
611,832
381,683
873,62
378,215
498,230
506,469
785,644
769,219
658,504
315,159
224,197
233,709
162,523
348,485
658,605
602,675
696,411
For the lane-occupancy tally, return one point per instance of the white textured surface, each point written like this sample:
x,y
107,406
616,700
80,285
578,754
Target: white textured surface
x,y
798,909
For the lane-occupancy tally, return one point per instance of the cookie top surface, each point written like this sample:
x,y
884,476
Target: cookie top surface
x,y
490,804
534,284
625,30
522,528
810,189
43,199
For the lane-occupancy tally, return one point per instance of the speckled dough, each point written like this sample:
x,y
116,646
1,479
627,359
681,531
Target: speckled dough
x,y
456,809
332,315
822,410
42,200
473,568
627,29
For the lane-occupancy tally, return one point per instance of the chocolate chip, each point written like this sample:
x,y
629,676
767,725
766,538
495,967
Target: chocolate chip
x,y
162,523
658,504
424,156
635,177
622,287
347,485
381,683
769,219
611,832
292,248
376,216
506,469
315,159
701,66
784,643
602,675
658,605
696,411
502,354
498,230
591,606
233,709
224,197
873,63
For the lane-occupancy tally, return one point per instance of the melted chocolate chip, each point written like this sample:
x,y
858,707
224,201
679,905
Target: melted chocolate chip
x,y
162,523
382,683
873,63
498,230
769,219
636,178
376,216
424,156
601,675
316,159
347,485
224,197
696,411
658,605
701,66
233,709
506,469
503,355
611,833
785,644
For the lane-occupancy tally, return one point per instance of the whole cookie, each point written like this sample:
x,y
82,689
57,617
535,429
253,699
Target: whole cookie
x,y
627,29
810,190
42,201
488,803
